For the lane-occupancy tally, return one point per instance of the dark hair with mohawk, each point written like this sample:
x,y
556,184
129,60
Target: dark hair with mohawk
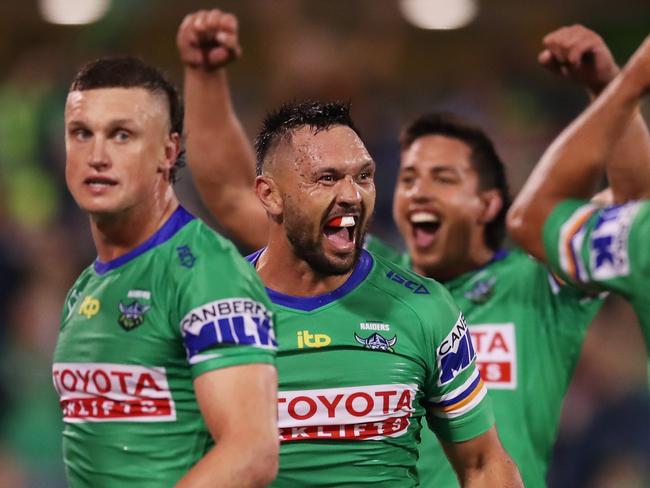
x,y
484,158
131,72
279,124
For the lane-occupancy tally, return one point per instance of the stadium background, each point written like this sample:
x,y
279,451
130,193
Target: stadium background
x,y
362,50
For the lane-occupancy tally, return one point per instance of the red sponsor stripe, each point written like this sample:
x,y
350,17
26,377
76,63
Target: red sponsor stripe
x,y
392,426
495,371
103,408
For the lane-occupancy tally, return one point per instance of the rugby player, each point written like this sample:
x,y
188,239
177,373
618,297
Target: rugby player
x,y
598,247
366,348
166,343
450,205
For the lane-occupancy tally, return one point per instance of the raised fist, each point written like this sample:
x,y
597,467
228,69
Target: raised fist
x,y
208,39
581,55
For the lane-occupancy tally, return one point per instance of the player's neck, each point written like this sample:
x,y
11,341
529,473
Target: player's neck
x,y
281,270
474,259
118,234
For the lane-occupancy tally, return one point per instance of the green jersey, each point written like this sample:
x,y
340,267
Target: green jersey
x,y
360,367
606,248
135,332
528,332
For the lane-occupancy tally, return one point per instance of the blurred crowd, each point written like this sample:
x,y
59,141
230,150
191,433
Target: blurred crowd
x,y
362,51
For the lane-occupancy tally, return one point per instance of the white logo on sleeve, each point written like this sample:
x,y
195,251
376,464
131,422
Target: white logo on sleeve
x,y
608,245
496,350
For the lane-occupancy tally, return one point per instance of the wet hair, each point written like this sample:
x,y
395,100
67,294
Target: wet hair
x,y
484,158
131,72
281,123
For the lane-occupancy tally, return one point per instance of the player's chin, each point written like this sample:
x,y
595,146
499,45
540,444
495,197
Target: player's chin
x,y
341,265
340,262
429,256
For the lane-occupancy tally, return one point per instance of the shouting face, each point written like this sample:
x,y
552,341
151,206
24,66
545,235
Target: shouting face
x,y
326,195
439,207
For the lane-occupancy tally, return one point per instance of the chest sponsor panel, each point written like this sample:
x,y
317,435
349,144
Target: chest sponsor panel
x,y
369,412
107,392
496,351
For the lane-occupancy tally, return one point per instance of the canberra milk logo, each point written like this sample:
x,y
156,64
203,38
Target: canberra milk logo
x,y
455,353
234,321
608,245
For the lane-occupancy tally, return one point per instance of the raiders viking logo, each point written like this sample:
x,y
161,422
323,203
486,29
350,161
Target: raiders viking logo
x,y
132,315
377,342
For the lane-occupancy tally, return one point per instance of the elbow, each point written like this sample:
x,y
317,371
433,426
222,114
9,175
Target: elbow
x,y
515,223
525,228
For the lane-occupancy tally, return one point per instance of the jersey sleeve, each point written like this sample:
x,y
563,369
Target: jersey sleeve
x,y
599,247
564,309
224,313
458,408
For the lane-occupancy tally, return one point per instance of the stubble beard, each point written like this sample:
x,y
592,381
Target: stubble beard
x,y
311,250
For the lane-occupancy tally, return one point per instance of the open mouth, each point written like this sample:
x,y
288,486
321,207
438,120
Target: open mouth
x,y
425,226
340,231
98,182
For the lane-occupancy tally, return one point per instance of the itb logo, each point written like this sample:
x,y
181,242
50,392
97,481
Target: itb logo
x,y
306,339
89,307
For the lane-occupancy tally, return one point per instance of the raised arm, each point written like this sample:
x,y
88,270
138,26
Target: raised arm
x,y
219,154
581,55
574,163
239,407
482,463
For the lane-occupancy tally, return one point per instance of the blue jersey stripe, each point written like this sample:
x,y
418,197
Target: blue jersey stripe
x,y
176,222
307,304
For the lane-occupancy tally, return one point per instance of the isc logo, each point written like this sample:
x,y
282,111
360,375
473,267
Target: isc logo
x,y
411,285
307,339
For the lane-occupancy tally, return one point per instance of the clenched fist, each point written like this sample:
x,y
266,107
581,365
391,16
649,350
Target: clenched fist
x,y
581,55
208,39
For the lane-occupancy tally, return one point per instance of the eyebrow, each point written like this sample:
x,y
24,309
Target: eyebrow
x,y
442,169
368,163
111,125
435,169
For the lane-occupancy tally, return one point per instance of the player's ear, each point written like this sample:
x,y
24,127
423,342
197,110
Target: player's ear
x,y
268,193
492,203
171,151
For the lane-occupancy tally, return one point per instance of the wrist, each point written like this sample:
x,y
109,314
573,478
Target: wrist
x,y
634,79
200,72
597,88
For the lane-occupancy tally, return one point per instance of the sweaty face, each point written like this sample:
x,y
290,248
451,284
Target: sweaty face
x,y
327,186
437,206
117,142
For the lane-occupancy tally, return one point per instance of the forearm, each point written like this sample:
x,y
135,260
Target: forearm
x,y
221,158
233,465
217,147
499,472
574,164
628,167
